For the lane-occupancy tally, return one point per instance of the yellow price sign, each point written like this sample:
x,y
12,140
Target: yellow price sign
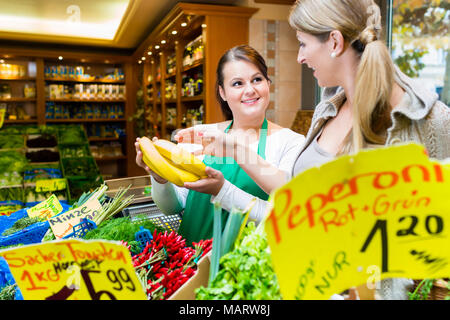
x,y
2,116
46,209
382,213
74,270
49,185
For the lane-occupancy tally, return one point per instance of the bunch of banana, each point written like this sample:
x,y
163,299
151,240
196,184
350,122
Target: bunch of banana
x,y
171,162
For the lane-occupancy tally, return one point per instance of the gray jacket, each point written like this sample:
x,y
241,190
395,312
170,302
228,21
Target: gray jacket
x,y
420,117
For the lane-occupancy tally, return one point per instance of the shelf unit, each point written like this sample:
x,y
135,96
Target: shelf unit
x,y
18,90
185,23
97,64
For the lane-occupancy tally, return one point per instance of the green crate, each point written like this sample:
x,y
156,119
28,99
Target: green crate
x,y
12,193
74,151
69,131
79,168
77,185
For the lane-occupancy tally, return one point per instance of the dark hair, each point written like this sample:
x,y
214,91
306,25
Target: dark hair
x,y
238,53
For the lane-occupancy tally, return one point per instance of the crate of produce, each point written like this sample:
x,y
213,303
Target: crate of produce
x,y
12,165
35,172
9,207
29,235
9,141
74,151
79,168
12,193
44,140
72,135
76,186
31,195
42,155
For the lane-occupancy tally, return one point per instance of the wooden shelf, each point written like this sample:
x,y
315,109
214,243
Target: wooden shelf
x,y
196,64
171,100
20,121
104,139
172,75
85,81
199,97
18,100
18,79
84,120
87,100
115,158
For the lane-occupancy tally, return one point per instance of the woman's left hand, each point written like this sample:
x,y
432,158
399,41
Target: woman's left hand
x,y
209,185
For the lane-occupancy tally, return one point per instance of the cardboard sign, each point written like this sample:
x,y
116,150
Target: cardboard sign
x,y
63,224
74,270
383,213
46,209
49,185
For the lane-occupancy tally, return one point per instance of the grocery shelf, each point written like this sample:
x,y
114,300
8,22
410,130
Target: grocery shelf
x,y
18,100
18,79
83,120
84,80
87,100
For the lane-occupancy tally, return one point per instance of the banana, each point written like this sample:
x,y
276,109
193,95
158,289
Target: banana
x,y
155,161
180,158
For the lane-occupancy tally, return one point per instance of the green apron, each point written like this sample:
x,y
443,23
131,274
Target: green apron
x,y
198,216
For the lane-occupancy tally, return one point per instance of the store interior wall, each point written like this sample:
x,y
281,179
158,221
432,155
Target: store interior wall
x,y
271,34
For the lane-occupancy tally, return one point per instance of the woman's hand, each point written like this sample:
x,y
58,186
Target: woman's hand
x,y
214,142
141,163
210,185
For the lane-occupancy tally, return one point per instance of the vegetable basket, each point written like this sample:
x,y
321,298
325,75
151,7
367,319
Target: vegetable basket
x,y
12,193
29,235
439,290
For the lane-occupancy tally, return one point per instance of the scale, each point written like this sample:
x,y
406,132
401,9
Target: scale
x,y
142,206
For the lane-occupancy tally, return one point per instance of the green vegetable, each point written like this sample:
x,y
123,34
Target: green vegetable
x,y
8,292
20,224
422,290
246,273
217,235
122,229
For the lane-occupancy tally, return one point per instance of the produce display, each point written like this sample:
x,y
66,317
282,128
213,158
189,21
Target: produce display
x,y
245,273
171,162
11,141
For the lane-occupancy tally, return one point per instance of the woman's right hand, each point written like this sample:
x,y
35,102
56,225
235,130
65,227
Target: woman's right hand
x,y
141,164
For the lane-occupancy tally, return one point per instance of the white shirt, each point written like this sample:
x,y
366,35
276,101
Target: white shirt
x,y
281,150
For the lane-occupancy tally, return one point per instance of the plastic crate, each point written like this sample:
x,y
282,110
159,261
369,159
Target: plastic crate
x,y
29,235
7,193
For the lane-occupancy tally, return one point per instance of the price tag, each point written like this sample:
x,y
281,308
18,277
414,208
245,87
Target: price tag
x,y
46,209
63,224
359,219
49,185
74,270
2,115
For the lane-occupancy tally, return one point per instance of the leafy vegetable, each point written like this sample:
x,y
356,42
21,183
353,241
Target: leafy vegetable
x,y
8,292
20,225
246,273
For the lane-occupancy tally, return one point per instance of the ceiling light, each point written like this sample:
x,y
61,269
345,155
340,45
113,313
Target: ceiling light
x,y
140,61
149,53
143,58
156,47
60,58
184,24
163,41
203,25
174,32
2,61
106,61
83,60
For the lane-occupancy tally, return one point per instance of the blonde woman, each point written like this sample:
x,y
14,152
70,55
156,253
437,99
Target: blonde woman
x,y
367,100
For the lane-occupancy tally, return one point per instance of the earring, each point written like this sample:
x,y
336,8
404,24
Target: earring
x,y
333,54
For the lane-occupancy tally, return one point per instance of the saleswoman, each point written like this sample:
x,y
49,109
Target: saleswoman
x,y
242,89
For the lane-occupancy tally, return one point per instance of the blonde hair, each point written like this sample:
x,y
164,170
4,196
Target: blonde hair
x,y
359,21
